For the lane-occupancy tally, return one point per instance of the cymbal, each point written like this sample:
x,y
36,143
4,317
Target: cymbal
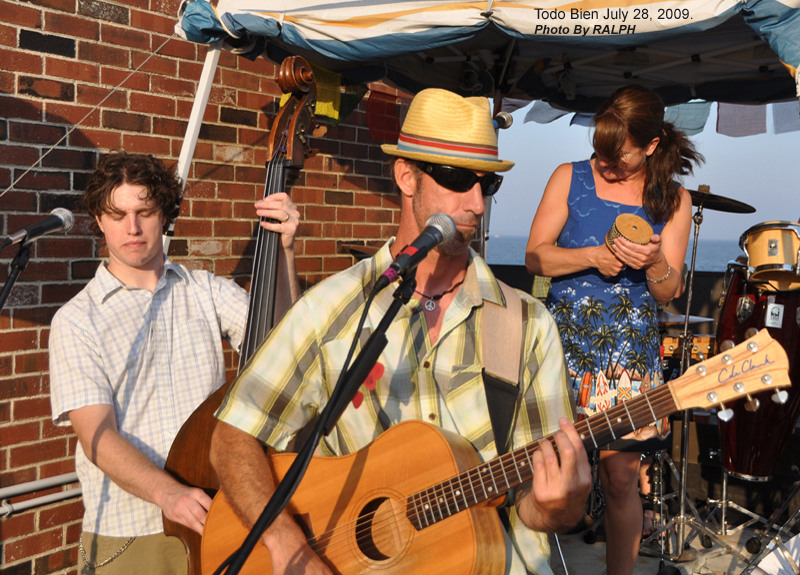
x,y
719,203
667,318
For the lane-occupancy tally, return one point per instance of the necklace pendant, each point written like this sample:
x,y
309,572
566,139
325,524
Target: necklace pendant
x,y
430,305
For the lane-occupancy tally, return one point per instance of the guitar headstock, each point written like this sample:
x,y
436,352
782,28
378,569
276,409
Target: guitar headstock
x,y
755,365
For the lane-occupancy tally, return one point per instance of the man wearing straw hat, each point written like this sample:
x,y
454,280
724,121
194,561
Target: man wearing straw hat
x,y
445,162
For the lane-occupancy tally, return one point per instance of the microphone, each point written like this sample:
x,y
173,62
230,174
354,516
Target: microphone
x,y
439,229
502,121
60,219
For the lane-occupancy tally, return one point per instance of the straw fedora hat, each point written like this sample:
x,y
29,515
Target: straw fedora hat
x,y
443,128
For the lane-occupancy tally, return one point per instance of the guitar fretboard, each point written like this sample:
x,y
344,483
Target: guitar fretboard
x,y
493,478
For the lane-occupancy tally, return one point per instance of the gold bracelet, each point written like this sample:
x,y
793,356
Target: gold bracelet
x,y
658,281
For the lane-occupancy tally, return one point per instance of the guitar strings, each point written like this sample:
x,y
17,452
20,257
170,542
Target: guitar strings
x,y
338,539
327,538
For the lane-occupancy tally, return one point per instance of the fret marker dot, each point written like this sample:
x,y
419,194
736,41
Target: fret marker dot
x,y
426,506
441,500
583,436
619,420
490,489
458,492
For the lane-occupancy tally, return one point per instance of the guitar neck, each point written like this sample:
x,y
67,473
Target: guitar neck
x,y
494,478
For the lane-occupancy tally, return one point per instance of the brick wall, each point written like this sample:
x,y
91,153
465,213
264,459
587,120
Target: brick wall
x,y
60,58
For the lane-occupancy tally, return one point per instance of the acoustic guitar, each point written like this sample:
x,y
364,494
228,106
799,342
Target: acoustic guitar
x,y
419,500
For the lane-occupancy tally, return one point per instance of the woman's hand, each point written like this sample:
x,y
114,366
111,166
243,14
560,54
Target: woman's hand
x,y
604,261
637,256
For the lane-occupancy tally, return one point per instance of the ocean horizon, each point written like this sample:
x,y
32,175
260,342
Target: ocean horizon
x,y
712,255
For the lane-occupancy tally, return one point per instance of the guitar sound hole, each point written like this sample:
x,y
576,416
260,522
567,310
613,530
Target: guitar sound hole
x,y
364,530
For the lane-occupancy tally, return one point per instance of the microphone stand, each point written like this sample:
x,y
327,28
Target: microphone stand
x,y
342,394
18,265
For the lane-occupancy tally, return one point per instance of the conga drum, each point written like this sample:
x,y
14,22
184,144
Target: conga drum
x,y
752,441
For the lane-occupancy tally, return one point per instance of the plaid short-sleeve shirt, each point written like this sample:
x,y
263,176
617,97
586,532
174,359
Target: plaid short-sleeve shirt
x,y
154,357
291,377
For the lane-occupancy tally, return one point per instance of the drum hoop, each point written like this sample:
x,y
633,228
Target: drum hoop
x,y
746,477
774,225
773,267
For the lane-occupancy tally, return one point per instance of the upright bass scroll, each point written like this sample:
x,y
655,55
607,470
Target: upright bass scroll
x,y
289,146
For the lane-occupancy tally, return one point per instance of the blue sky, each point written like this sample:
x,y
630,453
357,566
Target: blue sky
x,y
758,170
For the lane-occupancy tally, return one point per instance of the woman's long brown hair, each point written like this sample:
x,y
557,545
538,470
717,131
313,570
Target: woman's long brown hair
x,y
637,112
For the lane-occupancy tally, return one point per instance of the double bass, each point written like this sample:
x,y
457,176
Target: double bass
x,y
289,146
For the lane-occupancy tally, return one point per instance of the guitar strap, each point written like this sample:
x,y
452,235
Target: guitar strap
x,y
502,353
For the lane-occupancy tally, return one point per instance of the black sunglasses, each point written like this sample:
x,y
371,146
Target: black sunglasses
x,y
461,179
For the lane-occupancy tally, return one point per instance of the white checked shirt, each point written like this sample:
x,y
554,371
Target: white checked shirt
x,y
153,356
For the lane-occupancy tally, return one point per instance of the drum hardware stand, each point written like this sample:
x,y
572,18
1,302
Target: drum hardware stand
x,y
723,504
682,521
754,545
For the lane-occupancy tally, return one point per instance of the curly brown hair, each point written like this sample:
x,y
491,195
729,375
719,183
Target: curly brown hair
x,y
114,169
638,112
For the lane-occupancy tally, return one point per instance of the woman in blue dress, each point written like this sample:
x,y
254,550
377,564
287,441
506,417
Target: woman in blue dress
x,y
605,302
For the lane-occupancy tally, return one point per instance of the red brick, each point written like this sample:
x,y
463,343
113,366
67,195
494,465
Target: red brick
x,y
209,248
8,36
152,22
16,476
23,294
176,47
33,545
18,61
193,228
351,214
213,209
150,104
231,228
16,13
45,181
169,127
118,36
60,467
17,340
21,108
247,192
251,174
72,160
63,5
95,139
46,271
155,64
65,513
59,293
58,113
320,213
35,407
59,561
223,95
369,200
172,86
250,137
35,133
39,452
241,80
103,54
6,82
219,172
306,265
146,144
30,363
192,70
319,247
93,95
200,189
22,433
18,156
336,264
71,25
72,70
15,526
33,317
48,429
125,79
126,121
5,406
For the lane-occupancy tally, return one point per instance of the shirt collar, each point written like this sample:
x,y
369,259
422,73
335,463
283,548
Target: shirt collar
x,y
106,284
479,285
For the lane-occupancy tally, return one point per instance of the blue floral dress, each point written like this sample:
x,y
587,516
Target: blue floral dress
x,y
609,326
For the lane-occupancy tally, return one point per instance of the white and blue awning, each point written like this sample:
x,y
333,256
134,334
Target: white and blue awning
x,y
572,54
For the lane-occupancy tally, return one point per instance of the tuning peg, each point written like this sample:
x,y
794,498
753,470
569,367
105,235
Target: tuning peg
x,y
726,345
780,396
725,414
319,131
752,404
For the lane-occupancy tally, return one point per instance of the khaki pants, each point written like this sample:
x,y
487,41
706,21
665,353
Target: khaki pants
x,y
151,555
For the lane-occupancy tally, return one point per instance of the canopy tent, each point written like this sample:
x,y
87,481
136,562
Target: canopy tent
x,y
572,55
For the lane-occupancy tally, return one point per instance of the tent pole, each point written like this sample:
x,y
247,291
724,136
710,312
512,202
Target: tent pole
x,y
195,121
